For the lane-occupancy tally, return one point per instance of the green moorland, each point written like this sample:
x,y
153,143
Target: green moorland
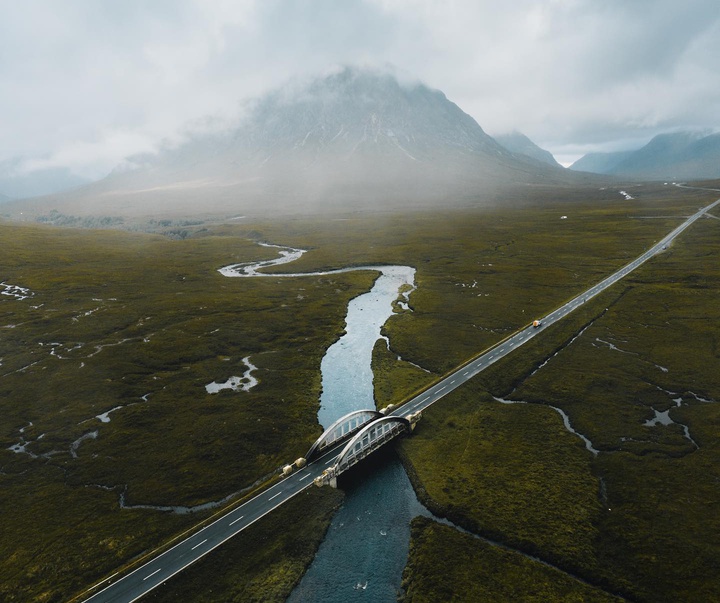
x,y
467,569
641,518
143,323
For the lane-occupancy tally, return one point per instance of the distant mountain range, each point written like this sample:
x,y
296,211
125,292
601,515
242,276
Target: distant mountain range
x,y
519,143
677,156
18,184
355,139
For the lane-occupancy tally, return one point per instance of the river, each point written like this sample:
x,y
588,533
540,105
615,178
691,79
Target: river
x,y
366,547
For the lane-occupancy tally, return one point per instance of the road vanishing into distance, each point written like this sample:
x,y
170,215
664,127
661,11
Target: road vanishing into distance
x,y
130,587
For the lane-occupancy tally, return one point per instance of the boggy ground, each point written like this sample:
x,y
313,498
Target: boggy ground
x,y
641,518
138,325
143,323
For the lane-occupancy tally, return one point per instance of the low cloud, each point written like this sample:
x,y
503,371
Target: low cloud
x,y
87,83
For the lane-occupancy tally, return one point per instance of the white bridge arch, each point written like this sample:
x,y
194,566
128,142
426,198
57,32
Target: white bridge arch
x,y
342,429
369,438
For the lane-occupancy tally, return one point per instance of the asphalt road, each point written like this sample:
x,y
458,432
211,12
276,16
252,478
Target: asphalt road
x,y
134,585
158,570
480,363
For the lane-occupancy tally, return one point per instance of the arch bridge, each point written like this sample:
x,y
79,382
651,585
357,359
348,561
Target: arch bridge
x,y
342,429
370,437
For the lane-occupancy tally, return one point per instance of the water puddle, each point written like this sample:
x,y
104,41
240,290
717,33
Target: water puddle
x,y
566,422
663,418
105,417
90,435
613,347
15,291
243,384
660,418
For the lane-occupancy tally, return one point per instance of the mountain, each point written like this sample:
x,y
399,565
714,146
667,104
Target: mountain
x,y
18,184
601,163
517,142
356,139
4,198
675,156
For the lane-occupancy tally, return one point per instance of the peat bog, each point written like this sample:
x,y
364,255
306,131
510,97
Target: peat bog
x,y
138,324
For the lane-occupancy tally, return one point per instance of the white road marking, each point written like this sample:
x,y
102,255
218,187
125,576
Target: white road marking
x,y
236,520
275,495
304,476
151,575
198,544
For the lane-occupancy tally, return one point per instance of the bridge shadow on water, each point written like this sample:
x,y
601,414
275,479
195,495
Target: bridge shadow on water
x,y
366,547
366,469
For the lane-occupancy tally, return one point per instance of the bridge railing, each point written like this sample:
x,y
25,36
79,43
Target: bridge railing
x,y
369,439
342,429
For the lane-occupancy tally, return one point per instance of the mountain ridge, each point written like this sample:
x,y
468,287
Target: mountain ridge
x,y
16,183
688,155
355,139
517,142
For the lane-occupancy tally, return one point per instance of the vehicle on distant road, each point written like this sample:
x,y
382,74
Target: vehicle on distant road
x,y
536,323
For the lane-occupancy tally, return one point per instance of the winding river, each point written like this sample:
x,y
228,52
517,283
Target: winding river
x,y
366,547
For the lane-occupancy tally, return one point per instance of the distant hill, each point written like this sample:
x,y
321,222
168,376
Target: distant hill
x,y
4,198
517,142
17,184
676,156
353,140
600,163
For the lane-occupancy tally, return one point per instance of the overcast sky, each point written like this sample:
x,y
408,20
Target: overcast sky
x,y
84,83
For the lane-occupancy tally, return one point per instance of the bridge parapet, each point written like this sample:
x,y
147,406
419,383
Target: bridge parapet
x,y
364,442
342,429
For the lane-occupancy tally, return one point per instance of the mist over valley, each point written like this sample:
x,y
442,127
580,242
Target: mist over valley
x,y
355,140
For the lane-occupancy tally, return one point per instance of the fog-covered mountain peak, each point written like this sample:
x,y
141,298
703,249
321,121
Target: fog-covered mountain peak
x,y
362,111
351,137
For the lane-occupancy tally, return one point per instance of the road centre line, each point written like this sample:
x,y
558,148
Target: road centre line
x,y
304,476
199,544
151,575
275,495
236,520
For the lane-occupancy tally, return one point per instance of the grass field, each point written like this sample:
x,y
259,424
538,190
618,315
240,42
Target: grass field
x,y
641,517
143,323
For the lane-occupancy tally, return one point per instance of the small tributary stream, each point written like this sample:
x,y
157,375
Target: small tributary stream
x,y
366,547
